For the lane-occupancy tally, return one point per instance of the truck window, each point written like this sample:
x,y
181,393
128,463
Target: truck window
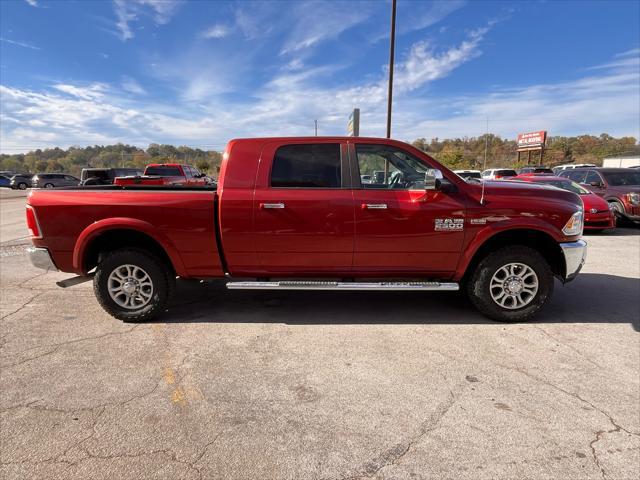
x,y
307,166
390,167
164,171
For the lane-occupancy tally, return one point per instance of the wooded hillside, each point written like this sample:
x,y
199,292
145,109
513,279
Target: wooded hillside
x,y
466,152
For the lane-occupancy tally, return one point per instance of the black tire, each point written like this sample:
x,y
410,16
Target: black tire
x,y
618,211
48,185
22,186
478,285
161,276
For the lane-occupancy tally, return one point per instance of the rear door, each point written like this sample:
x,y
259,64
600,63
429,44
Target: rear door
x,y
400,226
303,209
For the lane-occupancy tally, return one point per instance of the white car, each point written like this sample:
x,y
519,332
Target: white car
x,y
468,174
571,166
498,174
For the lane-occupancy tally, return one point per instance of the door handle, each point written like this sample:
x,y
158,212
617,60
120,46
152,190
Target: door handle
x,y
272,205
374,206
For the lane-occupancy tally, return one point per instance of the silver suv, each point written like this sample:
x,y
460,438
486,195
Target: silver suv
x,y
51,180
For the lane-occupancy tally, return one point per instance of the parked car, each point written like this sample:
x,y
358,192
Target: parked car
x,y
538,170
51,180
598,216
4,181
105,176
618,186
166,174
570,166
20,182
292,213
498,174
469,174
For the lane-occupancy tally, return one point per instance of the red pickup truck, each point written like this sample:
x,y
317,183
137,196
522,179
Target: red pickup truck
x,y
293,213
165,174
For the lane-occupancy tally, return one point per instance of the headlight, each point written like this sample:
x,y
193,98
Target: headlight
x,y
574,225
634,198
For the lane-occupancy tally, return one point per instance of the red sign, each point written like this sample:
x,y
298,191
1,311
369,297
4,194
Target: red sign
x,y
532,140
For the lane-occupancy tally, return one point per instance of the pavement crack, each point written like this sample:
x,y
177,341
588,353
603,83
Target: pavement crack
x,y
567,345
57,346
571,394
394,454
27,303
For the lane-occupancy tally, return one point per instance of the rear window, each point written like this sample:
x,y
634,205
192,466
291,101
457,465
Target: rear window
x,y
307,166
164,171
506,173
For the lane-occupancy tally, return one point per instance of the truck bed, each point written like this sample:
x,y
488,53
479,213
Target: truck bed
x,y
181,220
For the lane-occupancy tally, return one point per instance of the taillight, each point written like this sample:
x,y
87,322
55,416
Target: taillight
x,y
498,177
32,223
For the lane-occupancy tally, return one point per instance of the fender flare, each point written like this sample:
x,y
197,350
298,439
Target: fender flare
x,y
124,223
490,231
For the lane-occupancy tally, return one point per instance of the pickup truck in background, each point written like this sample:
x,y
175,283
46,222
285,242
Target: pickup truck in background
x,y
166,174
294,213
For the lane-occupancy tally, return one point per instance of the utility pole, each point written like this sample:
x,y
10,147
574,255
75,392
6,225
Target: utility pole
x,y
316,124
392,48
486,145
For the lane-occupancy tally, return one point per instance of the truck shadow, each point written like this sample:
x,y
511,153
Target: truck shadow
x,y
591,298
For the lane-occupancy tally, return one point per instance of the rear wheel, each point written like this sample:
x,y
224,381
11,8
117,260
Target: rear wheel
x,y
48,185
133,285
22,186
511,284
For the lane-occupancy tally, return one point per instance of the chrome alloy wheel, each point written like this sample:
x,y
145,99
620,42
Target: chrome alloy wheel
x,y
130,286
513,286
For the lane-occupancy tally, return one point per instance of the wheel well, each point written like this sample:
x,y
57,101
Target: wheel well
x,y
540,241
122,238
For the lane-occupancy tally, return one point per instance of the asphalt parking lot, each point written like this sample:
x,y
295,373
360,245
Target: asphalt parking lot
x,y
319,385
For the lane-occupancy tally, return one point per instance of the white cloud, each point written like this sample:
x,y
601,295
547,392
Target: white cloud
x,y
216,31
33,3
423,65
417,19
91,92
128,11
315,22
19,44
131,85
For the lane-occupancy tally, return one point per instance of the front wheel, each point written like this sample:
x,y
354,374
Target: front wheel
x,y
48,185
22,186
511,284
132,285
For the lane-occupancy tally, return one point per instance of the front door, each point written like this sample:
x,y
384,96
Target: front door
x,y
303,209
400,226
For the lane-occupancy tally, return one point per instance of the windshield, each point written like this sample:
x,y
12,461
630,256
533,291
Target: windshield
x,y
568,185
620,179
163,171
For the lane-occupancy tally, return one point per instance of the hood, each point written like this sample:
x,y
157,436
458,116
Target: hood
x,y
591,200
525,191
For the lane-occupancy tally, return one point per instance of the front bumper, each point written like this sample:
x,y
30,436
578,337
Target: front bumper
x,y
41,258
575,254
599,220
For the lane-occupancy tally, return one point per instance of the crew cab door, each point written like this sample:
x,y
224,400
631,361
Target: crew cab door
x,y
402,228
303,209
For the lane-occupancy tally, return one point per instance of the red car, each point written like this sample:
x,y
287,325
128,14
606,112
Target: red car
x,y
598,216
294,214
166,174
618,186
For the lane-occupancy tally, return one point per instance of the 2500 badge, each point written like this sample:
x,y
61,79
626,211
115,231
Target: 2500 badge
x,y
449,224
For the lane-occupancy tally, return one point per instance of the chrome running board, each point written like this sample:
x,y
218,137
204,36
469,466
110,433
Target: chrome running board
x,y
324,285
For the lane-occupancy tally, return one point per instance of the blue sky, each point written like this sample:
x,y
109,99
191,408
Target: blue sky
x,y
199,73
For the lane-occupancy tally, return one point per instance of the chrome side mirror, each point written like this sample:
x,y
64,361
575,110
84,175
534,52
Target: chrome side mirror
x,y
431,179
